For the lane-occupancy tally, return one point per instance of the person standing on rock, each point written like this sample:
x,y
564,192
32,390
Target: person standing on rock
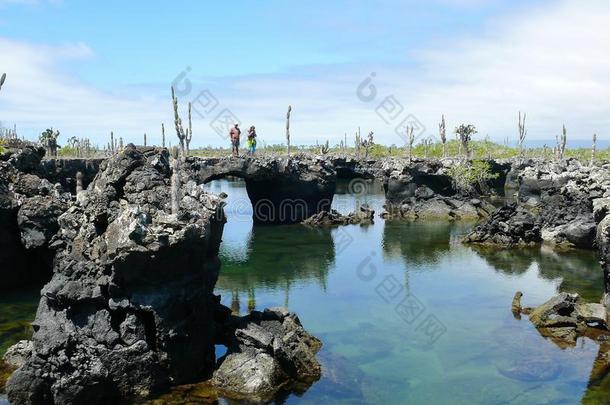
x,y
251,140
234,133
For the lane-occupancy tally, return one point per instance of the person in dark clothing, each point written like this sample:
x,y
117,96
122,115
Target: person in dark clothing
x,y
234,133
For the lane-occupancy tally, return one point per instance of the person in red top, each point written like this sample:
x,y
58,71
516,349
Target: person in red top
x,y
234,134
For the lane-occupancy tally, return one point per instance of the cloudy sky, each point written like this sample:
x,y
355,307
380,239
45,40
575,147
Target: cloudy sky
x,y
88,69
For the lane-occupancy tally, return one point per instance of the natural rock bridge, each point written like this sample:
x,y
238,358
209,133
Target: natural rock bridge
x,y
281,190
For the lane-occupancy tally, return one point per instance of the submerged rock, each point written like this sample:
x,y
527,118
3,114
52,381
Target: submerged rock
x,y
364,215
566,316
130,309
439,207
267,351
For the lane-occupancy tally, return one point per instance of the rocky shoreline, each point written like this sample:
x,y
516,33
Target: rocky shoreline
x,y
558,203
119,319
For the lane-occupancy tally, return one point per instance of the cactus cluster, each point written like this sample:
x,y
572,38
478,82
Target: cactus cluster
x,y
367,144
48,139
83,146
561,140
324,149
464,133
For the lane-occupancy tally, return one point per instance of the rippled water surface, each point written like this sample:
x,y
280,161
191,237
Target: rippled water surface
x,y
406,313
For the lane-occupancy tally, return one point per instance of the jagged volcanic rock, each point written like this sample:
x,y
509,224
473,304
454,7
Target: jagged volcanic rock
x,y
510,225
130,308
566,200
364,215
267,350
281,189
29,208
425,190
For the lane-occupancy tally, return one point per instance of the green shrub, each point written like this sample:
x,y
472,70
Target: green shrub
x,y
67,151
468,175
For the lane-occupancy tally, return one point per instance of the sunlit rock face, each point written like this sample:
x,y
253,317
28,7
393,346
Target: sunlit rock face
x,y
130,307
558,203
425,190
266,350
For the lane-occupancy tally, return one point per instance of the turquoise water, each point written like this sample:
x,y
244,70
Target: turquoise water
x,y
464,347
407,314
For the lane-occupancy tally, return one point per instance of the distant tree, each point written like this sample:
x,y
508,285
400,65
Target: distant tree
x,y
367,144
464,133
48,139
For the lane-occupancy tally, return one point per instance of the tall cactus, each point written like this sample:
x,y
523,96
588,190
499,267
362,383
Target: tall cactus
x,y
112,145
162,135
367,144
288,129
410,140
144,138
324,149
178,123
175,181
442,131
189,133
79,183
522,135
561,143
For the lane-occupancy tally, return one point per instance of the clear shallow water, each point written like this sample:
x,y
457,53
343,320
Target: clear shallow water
x,y
452,340
346,284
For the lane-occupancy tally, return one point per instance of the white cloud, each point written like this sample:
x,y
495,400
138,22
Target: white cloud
x,y
38,94
551,62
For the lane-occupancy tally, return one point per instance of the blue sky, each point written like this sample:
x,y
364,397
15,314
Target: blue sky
x,y
89,68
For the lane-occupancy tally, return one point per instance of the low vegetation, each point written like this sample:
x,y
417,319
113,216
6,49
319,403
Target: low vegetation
x,y
468,176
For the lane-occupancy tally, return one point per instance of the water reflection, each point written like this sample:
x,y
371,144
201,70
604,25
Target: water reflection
x,y
371,355
577,270
276,259
417,243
